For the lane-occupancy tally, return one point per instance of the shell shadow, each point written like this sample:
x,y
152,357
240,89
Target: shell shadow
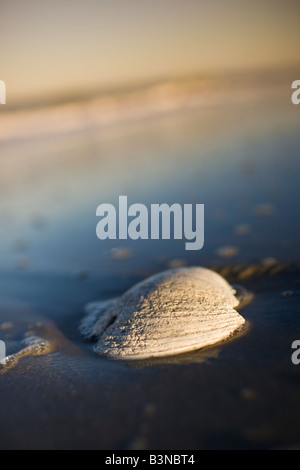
x,y
200,356
195,357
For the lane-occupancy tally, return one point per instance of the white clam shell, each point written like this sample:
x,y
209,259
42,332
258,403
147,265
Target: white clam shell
x,y
173,312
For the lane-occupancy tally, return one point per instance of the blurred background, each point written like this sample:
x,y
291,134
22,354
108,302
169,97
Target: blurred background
x,y
57,49
180,102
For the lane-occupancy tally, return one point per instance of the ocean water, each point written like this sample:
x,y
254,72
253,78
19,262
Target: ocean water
x,y
240,158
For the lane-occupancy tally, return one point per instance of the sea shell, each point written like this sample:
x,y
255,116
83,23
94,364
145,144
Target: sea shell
x,y
173,312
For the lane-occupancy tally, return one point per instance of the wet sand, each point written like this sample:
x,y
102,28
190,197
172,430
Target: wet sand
x,y
241,160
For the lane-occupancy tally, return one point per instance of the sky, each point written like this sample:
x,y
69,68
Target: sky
x,y
59,46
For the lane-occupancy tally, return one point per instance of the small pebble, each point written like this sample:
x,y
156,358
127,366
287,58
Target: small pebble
x,y
6,326
242,229
38,222
248,394
120,254
264,210
287,293
149,409
82,274
270,261
176,263
139,443
220,215
21,245
23,263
